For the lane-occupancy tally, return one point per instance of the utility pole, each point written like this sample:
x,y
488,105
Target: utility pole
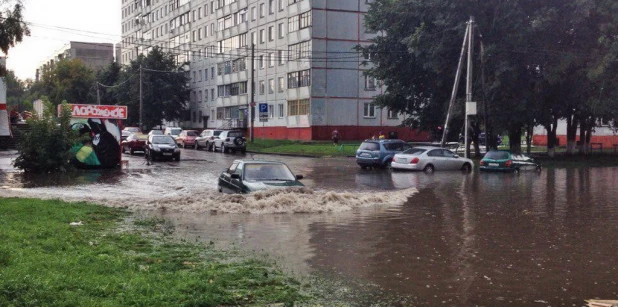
x,y
455,86
469,81
98,95
252,131
140,99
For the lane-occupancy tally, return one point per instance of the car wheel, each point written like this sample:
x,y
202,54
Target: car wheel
x,y
223,149
538,168
184,145
466,168
429,169
131,151
123,150
197,146
210,147
220,189
177,158
516,170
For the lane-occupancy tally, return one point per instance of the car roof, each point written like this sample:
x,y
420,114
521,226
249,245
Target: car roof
x,y
250,161
384,141
428,147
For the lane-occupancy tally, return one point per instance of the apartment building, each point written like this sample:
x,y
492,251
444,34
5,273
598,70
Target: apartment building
x,y
94,56
300,54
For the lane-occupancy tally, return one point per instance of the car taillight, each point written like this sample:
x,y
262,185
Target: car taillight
x,y
508,163
414,161
482,163
212,137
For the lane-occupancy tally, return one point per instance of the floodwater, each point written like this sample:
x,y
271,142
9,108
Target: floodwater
x,y
548,239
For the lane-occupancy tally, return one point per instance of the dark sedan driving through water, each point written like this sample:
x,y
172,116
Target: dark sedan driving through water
x,y
246,176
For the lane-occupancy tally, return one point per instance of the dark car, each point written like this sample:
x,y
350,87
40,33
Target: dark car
x,y
161,147
379,153
231,140
246,176
505,161
135,142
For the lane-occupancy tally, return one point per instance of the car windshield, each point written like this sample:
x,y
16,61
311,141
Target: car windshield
x,y
175,131
192,133
372,146
413,151
164,139
267,172
398,146
497,155
156,132
141,136
217,132
521,158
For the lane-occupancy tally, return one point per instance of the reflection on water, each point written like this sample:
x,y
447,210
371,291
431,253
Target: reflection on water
x,y
463,239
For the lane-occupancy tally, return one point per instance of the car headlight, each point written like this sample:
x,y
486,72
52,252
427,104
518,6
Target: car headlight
x,y
176,149
156,148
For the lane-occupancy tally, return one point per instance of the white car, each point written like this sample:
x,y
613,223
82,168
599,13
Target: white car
x,y
430,159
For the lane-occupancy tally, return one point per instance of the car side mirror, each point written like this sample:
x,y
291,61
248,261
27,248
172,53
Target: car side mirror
x,y
235,176
299,177
455,156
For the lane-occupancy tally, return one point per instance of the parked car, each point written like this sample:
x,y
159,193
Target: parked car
x,y
135,142
379,153
505,161
186,138
132,129
155,132
125,134
230,140
206,139
173,131
161,147
430,159
246,176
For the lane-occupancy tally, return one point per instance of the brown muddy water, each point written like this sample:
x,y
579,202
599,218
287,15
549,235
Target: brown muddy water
x,y
548,239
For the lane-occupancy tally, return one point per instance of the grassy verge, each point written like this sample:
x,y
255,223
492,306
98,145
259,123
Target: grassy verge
x,y
311,148
46,261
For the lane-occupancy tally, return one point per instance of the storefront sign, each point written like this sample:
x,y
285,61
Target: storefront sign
x,y
97,111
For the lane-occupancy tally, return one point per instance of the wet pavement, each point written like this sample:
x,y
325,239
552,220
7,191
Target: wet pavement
x,y
548,239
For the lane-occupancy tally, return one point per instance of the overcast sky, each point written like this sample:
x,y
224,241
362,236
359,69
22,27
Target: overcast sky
x,y
54,23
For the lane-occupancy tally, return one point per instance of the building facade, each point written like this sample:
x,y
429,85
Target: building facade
x,y
94,55
299,53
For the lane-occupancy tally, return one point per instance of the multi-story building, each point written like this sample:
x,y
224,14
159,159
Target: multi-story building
x,y
305,67
94,55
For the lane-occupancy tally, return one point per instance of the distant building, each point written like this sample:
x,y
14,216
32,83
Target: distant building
x,y
94,55
306,69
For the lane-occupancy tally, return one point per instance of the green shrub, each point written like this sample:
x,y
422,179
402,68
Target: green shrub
x,y
45,148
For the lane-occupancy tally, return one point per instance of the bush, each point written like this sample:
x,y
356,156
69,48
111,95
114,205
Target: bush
x,y
45,148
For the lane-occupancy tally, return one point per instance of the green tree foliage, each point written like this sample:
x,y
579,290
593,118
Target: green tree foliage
x,y
70,80
12,29
540,60
45,148
106,79
15,92
164,88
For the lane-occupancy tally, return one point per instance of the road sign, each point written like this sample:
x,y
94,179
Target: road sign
x,y
263,111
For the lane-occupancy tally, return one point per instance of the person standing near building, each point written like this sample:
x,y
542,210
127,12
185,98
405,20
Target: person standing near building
x,y
381,136
335,137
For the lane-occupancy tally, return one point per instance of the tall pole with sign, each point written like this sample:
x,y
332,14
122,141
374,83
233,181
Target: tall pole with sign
x,y
140,98
252,90
470,105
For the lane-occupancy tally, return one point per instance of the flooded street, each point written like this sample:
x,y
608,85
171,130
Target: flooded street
x,y
548,239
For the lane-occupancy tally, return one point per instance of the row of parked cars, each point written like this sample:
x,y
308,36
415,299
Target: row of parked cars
x,y
400,155
161,144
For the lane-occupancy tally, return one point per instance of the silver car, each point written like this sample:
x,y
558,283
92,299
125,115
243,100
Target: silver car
x,y
430,159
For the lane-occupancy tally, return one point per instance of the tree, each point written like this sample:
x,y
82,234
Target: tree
x,y
164,89
12,29
107,78
70,80
15,92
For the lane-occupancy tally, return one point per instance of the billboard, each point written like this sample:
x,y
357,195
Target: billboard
x,y
101,125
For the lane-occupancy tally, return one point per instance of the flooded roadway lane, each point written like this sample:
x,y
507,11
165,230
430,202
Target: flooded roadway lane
x,y
463,239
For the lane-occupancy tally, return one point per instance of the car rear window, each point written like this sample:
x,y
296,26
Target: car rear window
x,y
191,133
175,131
497,155
217,132
235,134
371,146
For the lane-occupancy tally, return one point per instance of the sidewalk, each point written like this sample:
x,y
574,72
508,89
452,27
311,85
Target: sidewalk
x,y
6,160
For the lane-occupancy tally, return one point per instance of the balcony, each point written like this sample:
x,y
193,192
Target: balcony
x,y
234,123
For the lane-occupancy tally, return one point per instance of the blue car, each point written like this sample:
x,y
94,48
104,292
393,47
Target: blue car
x,y
379,153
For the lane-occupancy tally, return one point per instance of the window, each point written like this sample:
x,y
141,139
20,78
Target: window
x,y
370,83
281,5
262,8
271,7
271,111
280,107
281,86
262,87
271,86
300,50
253,13
261,62
298,22
281,57
199,118
391,113
298,107
271,33
262,36
271,59
212,94
280,29
369,110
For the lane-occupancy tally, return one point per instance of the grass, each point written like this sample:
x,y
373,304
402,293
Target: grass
x,y
46,261
310,148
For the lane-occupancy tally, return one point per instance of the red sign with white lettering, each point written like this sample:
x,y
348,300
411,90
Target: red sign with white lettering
x,y
98,111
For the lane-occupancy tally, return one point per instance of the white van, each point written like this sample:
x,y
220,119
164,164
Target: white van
x,y
173,131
